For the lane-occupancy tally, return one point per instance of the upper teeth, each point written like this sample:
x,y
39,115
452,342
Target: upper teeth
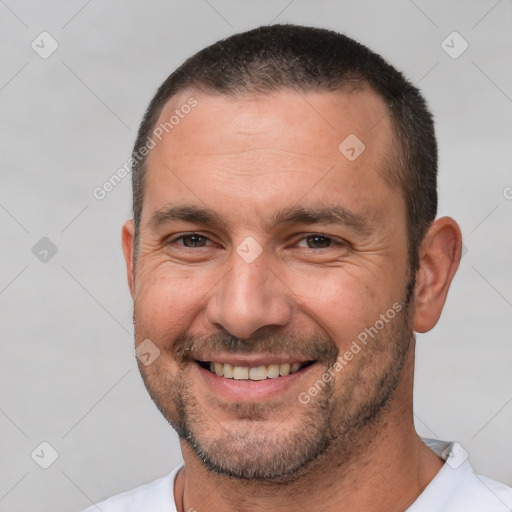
x,y
254,373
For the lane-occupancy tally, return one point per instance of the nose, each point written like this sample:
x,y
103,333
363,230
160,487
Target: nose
x,y
249,296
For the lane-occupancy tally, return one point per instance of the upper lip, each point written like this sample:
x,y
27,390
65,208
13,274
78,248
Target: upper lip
x,y
251,360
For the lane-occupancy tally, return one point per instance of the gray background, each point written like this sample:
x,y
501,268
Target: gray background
x,y
68,375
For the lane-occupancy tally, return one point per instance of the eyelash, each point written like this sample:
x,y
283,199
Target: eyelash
x,y
333,240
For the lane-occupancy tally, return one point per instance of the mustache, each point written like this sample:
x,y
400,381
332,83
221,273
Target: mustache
x,y
188,347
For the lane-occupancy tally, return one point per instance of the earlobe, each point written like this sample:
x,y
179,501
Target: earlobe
x,y
127,243
439,259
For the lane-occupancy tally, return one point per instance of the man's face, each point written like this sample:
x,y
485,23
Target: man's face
x,y
239,263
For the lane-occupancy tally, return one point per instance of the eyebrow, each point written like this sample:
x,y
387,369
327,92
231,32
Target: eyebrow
x,y
330,214
184,213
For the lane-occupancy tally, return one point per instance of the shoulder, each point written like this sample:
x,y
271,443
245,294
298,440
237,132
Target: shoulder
x,y
457,488
156,496
476,493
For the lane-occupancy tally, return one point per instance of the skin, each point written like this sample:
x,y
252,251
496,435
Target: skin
x,y
245,159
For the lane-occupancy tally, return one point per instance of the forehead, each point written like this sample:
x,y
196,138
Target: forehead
x,y
261,146
317,118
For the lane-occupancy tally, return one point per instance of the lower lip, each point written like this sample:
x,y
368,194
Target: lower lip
x,y
250,390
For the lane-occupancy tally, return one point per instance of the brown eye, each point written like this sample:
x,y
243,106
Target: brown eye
x,y
193,240
318,241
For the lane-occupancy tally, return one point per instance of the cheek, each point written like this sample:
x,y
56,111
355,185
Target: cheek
x,y
165,303
344,302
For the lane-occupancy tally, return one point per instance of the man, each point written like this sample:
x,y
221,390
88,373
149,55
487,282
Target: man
x,y
283,252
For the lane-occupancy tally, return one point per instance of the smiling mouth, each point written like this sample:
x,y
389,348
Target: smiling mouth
x,y
271,371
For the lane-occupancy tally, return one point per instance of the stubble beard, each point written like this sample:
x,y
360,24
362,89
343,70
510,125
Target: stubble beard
x,y
332,425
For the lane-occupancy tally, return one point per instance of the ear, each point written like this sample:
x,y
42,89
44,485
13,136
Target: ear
x,y
440,255
127,241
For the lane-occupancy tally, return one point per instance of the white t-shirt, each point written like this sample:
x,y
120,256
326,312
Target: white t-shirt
x,y
456,488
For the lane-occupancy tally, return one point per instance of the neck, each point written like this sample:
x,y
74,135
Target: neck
x,y
387,455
